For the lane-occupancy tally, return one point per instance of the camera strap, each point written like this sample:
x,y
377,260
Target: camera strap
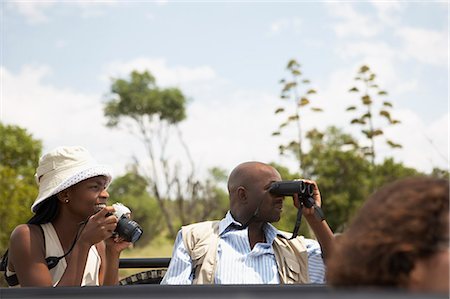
x,y
298,221
318,213
255,214
52,261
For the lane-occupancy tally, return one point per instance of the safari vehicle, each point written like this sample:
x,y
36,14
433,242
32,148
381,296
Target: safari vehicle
x,y
145,284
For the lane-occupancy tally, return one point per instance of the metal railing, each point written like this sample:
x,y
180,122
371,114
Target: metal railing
x,y
144,262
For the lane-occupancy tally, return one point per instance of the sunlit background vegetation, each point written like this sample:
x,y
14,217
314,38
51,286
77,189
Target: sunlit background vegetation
x,y
163,198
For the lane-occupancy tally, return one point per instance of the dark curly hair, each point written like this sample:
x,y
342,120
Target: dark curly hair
x,y
400,223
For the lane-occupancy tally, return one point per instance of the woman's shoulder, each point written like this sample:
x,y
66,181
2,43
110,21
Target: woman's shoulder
x,y
26,233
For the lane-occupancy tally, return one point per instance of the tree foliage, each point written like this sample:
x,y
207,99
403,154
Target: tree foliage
x,y
343,175
440,173
340,171
140,98
370,95
297,91
389,171
130,189
152,114
19,157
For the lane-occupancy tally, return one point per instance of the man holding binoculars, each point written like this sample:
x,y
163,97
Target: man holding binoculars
x,y
244,248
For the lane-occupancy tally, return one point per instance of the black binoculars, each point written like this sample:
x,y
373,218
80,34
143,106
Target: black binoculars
x,y
304,190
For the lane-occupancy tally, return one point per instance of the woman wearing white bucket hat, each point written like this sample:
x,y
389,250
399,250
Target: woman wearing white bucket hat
x,y
68,242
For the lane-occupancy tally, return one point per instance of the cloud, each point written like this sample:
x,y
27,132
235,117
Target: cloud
x,y
38,11
232,129
162,2
389,11
34,11
366,49
166,75
351,23
423,45
61,43
60,116
279,26
426,148
94,9
226,125
220,129
426,46
417,150
383,59
412,44
197,82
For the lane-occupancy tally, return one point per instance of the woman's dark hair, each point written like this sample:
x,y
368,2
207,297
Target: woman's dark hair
x,y
46,211
402,222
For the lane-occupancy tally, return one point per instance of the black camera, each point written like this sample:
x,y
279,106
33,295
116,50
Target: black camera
x,y
126,228
305,193
304,190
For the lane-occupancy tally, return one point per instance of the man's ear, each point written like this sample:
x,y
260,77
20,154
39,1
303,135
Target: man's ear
x,y
242,194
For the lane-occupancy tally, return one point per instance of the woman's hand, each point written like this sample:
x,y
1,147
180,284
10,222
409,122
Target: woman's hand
x,y
115,245
99,226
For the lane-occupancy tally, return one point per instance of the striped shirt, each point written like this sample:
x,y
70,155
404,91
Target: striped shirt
x,y
237,263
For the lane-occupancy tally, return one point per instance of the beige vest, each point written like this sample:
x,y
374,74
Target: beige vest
x,y
201,240
53,248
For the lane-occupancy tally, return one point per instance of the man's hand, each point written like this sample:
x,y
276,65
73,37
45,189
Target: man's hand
x,y
316,196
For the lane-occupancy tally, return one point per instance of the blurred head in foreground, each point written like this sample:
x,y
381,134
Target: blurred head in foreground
x,y
399,238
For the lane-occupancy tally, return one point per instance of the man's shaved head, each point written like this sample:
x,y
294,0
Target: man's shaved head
x,y
244,174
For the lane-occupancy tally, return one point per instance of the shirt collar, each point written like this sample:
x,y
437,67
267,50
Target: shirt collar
x,y
269,230
227,222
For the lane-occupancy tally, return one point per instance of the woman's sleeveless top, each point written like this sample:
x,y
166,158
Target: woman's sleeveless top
x,y
53,248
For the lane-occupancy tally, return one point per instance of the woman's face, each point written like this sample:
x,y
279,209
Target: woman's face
x,y
88,196
432,273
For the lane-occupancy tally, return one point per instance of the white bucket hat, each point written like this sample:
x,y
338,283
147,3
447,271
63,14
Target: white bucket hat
x,y
64,167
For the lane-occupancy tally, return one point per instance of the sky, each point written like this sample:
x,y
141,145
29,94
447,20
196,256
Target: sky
x,y
58,59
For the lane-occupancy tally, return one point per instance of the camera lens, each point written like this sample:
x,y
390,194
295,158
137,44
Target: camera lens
x,y
128,229
310,189
302,186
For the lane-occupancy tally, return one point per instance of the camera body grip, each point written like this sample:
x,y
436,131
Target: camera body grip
x,y
305,192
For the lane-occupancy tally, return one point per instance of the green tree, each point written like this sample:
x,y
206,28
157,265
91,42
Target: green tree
x,y
130,190
340,171
19,157
343,173
370,95
153,114
208,201
389,171
440,173
296,90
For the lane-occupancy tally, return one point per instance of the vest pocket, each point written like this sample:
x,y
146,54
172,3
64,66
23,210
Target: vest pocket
x,y
292,269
